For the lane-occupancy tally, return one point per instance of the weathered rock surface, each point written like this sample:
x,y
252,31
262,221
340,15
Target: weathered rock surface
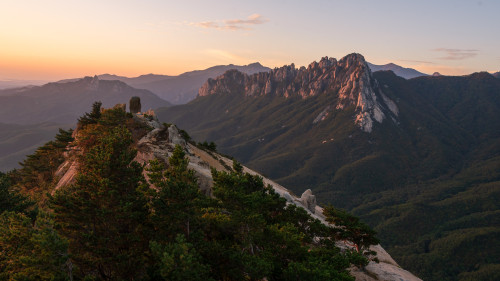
x,y
348,81
309,200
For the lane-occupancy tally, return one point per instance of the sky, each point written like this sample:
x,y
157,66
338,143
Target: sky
x,y
57,39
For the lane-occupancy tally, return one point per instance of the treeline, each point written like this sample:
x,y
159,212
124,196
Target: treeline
x,y
110,224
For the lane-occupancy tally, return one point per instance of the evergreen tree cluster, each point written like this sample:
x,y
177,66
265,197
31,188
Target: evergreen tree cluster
x,y
113,224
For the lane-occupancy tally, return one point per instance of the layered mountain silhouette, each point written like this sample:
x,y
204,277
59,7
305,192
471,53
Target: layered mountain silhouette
x,y
496,74
17,83
65,102
184,87
406,73
417,158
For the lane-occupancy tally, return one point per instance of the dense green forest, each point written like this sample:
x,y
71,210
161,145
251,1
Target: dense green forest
x,y
427,183
111,225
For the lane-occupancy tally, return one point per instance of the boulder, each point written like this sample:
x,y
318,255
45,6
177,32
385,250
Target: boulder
x,y
135,104
175,137
308,200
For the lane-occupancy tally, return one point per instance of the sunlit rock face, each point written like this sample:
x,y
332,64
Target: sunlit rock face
x,y
348,81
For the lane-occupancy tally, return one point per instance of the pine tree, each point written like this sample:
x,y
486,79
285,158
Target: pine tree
x,y
178,197
350,229
104,214
11,200
32,252
92,117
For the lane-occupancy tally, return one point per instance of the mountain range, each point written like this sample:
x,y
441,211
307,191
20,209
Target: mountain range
x,y
30,116
184,87
406,73
65,102
17,83
417,159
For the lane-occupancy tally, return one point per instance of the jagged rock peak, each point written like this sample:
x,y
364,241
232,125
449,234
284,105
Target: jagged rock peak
x,y
349,79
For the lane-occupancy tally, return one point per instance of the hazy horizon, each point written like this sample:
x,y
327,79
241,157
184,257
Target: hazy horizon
x,y
67,39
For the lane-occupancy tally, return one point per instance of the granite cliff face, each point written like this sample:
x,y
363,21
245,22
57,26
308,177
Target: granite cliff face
x,y
348,82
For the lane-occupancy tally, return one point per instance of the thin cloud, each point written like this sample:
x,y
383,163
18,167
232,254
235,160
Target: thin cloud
x,y
457,54
234,24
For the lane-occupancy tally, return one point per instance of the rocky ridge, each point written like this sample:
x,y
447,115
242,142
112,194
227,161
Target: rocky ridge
x,y
159,143
348,81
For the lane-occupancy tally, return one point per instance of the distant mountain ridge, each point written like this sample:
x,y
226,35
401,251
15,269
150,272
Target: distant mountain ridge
x,y
65,102
17,141
16,83
182,88
496,74
406,73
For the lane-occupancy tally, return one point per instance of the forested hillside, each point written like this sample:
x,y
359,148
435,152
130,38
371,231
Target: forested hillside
x,y
426,179
113,223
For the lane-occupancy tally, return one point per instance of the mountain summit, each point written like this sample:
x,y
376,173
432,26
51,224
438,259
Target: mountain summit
x,y
348,83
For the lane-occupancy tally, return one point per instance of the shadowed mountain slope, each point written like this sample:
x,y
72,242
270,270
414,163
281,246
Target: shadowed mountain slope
x,y
423,175
404,72
64,102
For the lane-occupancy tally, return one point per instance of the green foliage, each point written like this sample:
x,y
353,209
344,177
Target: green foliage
x,y
272,239
37,173
111,224
237,167
415,183
92,117
104,213
185,135
350,228
208,146
11,200
32,252
179,260
176,202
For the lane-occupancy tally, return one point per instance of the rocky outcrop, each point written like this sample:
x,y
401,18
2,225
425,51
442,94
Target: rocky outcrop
x,y
308,200
135,104
348,81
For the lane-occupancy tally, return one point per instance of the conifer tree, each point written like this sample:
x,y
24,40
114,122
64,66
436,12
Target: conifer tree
x,y
350,229
104,214
176,202
92,117
32,252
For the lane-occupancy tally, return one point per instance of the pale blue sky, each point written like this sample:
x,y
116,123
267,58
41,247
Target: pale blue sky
x,y
57,39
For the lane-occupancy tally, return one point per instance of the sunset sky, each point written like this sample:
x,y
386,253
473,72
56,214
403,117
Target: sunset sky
x,y
56,39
